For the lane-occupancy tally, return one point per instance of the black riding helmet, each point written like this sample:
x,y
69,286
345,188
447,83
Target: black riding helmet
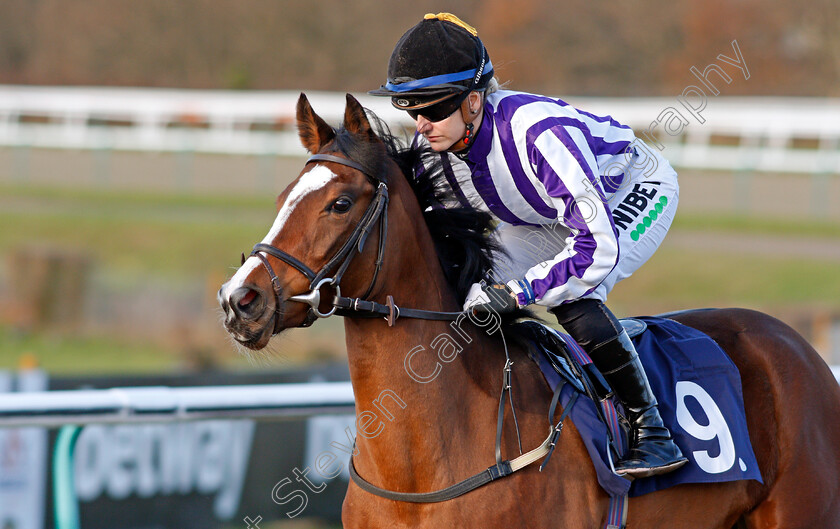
x,y
438,59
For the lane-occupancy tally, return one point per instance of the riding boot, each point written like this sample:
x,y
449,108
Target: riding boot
x,y
598,331
651,450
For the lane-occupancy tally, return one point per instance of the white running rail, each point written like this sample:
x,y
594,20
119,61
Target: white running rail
x,y
799,135
54,409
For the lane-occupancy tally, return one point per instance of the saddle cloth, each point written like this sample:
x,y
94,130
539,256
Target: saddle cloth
x,y
700,400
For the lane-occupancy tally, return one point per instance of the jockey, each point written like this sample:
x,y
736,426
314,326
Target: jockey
x,y
580,204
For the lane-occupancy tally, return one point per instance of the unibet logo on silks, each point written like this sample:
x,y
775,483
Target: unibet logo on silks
x,y
627,212
649,219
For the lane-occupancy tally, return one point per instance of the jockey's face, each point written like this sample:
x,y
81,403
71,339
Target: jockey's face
x,y
443,134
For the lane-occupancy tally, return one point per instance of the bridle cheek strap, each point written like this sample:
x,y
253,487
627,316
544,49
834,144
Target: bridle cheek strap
x,y
346,306
376,210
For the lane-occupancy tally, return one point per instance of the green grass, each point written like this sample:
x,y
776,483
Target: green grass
x,y
134,238
134,247
81,355
184,235
121,198
674,280
759,226
131,234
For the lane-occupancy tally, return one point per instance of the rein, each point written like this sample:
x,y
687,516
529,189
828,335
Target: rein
x,y
346,306
501,469
362,308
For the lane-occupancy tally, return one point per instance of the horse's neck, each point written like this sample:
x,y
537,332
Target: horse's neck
x,y
426,416
415,402
422,399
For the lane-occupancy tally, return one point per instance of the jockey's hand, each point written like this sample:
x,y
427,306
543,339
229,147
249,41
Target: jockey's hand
x,y
496,297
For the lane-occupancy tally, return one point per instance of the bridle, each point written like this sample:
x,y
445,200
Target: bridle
x,y
359,307
377,210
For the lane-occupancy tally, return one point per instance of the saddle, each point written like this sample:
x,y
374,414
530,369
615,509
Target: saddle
x,y
694,381
558,351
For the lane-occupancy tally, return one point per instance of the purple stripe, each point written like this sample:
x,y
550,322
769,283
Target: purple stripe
x,y
480,172
453,182
602,146
553,183
601,119
483,183
520,179
605,184
594,117
616,508
598,145
584,242
611,183
612,512
503,114
510,104
614,426
560,273
612,418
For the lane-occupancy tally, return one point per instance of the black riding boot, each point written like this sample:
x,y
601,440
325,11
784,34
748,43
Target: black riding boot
x,y
598,331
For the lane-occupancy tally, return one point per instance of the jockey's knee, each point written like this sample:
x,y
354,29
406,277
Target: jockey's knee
x,y
588,321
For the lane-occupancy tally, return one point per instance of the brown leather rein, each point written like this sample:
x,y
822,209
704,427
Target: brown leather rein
x,y
341,305
361,308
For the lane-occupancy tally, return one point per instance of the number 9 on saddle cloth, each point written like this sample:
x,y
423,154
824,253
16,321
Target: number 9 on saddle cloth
x,y
699,393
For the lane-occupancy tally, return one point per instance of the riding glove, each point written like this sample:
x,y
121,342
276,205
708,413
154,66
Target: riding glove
x,y
495,297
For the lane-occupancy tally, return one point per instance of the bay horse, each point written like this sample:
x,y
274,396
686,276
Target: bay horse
x,y
443,429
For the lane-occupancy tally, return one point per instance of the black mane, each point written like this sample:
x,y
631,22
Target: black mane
x,y
460,234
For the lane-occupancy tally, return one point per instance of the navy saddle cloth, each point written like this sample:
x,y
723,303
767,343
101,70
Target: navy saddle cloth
x,y
699,393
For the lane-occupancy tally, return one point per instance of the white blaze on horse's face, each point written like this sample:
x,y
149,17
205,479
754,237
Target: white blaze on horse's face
x,y
310,181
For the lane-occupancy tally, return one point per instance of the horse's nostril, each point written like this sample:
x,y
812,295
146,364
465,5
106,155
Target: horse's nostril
x,y
247,303
246,299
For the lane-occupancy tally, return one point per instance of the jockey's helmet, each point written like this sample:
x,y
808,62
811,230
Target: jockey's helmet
x,y
440,58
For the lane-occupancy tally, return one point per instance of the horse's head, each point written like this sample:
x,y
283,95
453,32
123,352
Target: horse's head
x,y
324,219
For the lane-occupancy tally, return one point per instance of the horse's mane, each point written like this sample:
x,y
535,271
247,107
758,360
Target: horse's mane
x,y
461,233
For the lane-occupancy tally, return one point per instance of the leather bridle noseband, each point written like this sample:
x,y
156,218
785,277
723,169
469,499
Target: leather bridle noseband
x,y
345,306
361,308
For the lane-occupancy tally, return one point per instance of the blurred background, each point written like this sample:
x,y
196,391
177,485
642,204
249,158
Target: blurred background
x,y
142,146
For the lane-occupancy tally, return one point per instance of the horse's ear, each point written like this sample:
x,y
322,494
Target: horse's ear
x,y
313,131
355,119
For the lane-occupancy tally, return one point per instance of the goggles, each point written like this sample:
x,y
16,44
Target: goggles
x,y
439,111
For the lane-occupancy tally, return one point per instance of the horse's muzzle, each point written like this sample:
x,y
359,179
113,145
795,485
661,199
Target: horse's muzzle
x,y
247,314
246,304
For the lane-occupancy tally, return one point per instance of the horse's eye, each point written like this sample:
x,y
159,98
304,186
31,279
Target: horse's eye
x,y
342,205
